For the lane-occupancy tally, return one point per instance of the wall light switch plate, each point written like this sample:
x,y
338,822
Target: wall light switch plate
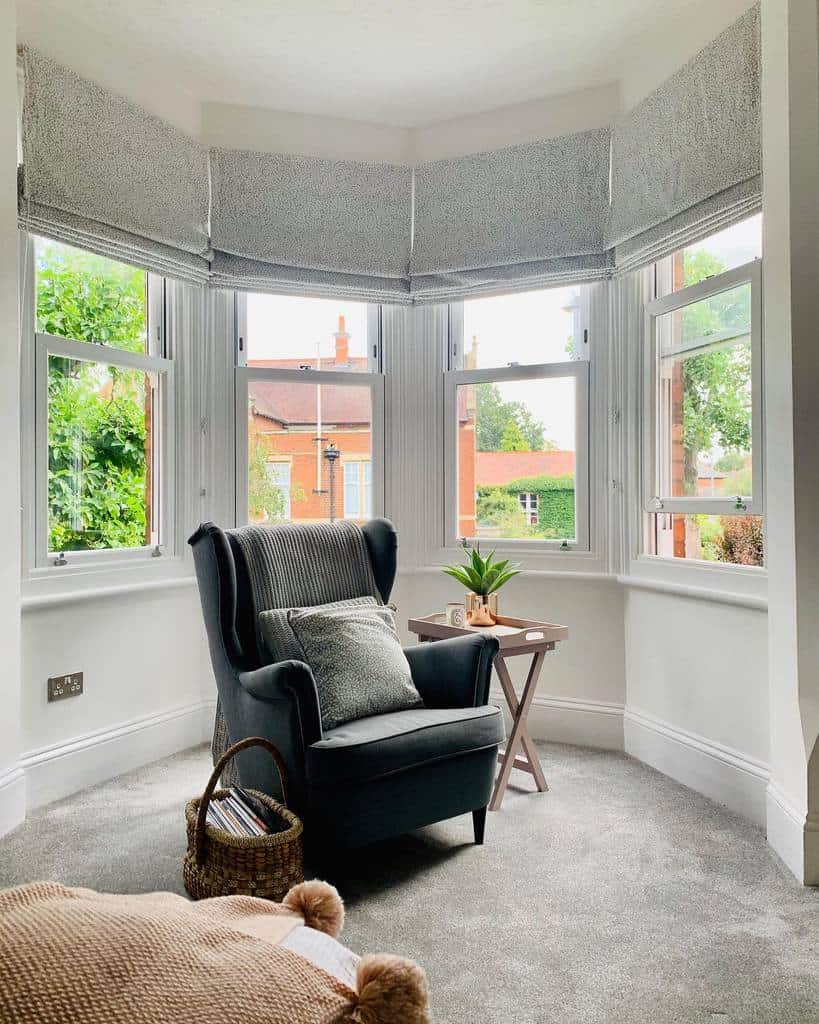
x,y
62,687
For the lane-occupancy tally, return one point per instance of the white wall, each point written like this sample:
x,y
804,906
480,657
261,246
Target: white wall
x,y
12,787
581,691
697,695
790,151
147,678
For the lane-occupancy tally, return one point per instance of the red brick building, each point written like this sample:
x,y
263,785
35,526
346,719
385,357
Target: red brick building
x,y
295,424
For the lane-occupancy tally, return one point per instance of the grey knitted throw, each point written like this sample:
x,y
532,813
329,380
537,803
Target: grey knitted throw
x,y
298,565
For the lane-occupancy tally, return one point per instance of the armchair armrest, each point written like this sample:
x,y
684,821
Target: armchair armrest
x,y
453,673
293,683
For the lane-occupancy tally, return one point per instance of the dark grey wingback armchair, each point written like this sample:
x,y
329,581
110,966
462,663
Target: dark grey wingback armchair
x,y
367,779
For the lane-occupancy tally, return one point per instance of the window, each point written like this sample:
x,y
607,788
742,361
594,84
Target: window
x,y
703,439
278,476
102,408
529,504
290,332
358,490
309,423
517,419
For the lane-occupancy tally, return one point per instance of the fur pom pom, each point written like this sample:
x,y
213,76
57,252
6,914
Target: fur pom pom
x,y
319,904
391,990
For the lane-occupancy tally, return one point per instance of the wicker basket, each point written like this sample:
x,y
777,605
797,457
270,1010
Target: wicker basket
x,y
220,864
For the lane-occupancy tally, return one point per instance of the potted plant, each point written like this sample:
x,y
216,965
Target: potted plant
x,y
482,577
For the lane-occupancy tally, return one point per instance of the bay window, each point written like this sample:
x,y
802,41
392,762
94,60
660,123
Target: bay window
x,y
517,420
309,409
702,448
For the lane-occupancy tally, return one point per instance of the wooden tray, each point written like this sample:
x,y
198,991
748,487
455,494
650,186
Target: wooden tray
x,y
510,632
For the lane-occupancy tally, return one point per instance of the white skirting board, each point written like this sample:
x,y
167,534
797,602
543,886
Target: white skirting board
x,y
581,722
12,799
724,775
793,836
52,773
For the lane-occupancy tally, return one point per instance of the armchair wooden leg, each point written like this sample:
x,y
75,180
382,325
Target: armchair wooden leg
x,y
479,824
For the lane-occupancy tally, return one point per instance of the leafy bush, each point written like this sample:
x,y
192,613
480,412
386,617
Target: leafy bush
x,y
743,540
499,506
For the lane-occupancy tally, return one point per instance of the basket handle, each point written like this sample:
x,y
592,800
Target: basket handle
x,y
202,814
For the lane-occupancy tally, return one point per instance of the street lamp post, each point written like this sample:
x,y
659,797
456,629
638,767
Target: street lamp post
x,y
332,454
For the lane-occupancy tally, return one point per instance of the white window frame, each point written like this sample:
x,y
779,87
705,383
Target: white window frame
x,y
530,505
361,488
39,563
453,379
655,502
374,380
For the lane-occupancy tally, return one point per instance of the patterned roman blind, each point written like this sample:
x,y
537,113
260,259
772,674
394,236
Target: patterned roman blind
x,y
306,224
686,161
519,217
102,173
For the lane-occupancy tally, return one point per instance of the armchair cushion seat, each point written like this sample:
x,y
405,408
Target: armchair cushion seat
x,y
370,748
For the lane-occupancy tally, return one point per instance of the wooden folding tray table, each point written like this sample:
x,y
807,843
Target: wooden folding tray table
x,y
515,636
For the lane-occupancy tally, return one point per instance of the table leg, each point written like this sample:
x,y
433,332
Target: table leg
x,y
519,735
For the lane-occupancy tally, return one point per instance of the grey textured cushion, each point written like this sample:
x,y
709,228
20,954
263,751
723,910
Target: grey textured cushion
x,y
357,661
277,634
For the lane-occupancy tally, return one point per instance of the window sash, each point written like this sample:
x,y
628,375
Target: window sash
x,y
654,500
47,345
453,379
375,357
245,376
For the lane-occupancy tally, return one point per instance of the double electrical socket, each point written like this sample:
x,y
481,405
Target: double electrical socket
x,y
61,687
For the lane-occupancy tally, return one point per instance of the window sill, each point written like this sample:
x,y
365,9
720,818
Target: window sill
x,y
741,586
535,562
45,588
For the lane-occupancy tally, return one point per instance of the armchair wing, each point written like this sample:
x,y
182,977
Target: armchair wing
x,y
453,673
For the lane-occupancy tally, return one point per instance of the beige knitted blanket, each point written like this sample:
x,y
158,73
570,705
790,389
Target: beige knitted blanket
x,y
73,956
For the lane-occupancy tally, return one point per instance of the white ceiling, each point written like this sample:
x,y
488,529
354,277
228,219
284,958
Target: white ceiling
x,y
385,61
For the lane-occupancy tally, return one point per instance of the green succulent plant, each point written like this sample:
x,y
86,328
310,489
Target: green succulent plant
x,y
481,575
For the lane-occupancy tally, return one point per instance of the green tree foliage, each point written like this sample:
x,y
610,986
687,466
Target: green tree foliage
x,y
512,439
90,298
265,500
716,392
98,469
494,414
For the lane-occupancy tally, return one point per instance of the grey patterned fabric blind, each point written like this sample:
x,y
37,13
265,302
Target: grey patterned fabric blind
x,y
688,158
525,214
306,223
100,172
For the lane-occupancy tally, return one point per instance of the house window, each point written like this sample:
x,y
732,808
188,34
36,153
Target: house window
x,y
103,396
358,489
303,418
277,503
529,504
517,418
702,462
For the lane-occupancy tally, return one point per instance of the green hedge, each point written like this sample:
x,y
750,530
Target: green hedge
x,y
555,504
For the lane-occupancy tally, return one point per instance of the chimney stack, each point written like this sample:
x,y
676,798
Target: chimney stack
x,y
342,343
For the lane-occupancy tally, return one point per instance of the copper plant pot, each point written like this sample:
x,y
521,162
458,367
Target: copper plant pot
x,y
481,610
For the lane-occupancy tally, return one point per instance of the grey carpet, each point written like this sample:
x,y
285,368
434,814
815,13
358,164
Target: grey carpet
x,y
618,897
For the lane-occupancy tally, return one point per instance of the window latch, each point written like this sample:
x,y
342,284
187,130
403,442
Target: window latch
x,y
740,505
657,504
60,559
565,546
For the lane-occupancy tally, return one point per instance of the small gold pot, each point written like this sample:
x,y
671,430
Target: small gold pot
x,y
480,610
